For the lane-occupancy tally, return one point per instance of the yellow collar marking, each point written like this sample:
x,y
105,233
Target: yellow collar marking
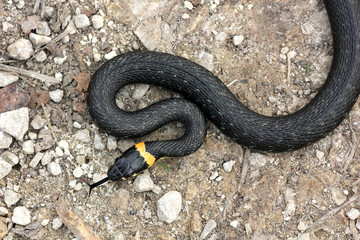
x,y
148,157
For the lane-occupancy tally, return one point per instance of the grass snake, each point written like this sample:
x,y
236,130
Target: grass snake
x,y
205,94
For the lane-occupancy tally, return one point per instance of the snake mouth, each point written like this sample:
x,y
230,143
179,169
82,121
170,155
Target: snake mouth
x,y
94,185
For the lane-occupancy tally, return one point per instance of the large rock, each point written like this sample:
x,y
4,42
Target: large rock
x,y
15,123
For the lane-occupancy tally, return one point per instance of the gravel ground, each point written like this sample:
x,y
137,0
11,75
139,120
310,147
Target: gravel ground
x,y
273,55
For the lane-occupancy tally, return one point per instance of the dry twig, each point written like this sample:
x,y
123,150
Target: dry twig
x,y
350,155
332,212
76,225
27,73
244,168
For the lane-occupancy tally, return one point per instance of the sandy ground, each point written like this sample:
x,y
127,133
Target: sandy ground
x,y
277,66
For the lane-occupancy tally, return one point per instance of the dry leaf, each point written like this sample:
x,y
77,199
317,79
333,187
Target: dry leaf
x,y
76,225
38,97
83,80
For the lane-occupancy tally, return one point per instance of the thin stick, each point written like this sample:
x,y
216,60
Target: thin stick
x,y
27,73
244,168
350,156
48,122
332,212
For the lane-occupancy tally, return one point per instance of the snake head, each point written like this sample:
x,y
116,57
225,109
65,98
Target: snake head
x,y
131,162
127,165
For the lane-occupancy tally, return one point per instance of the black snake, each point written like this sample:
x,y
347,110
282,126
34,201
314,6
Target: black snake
x,y
204,92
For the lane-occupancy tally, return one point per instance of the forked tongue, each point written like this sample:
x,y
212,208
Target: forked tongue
x,y
94,185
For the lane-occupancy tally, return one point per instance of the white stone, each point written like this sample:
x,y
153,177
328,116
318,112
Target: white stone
x,y
78,187
7,27
11,197
98,142
83,136
291,54
97,21
7,79
207,60
39,40
78,172
46,159
301,226
29,147
60,60
54,168
169,206
57,223
36,159
21,216
15,123
56,95
143,182
97,57
257,159
43,28
238,39
209,226
234,223
45,222
111,143
59,152
110,55
125,144
38,122
140,90
81,21
337,196
228,166
5,168
188,5
150,33
290,207
10,158
21,49
3,211
353,213
5,140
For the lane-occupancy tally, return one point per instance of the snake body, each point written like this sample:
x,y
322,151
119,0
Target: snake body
x,y
204,92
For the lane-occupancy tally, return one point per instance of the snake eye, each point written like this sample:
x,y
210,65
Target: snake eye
x,y
127,165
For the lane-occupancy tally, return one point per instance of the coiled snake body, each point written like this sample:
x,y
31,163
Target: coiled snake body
x,y
205,93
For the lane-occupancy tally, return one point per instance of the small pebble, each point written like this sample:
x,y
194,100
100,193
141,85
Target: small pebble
x,y
10,158
5,168
78,187
140,90
237,40
36,159
111,143
7,79
3,211
209,226
301,226
228,166
56,95
125,144
188,5
214,176
143,182
21,216
353,213
83,135
21,49
43,28
54,168
5,140
81,21
28,147
169,206
57,223
46,159
11,197
337,196
97,21
45,222
98,142
110,55
78,172
39,40
234,223
81,159
320,154
59,152
38,122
